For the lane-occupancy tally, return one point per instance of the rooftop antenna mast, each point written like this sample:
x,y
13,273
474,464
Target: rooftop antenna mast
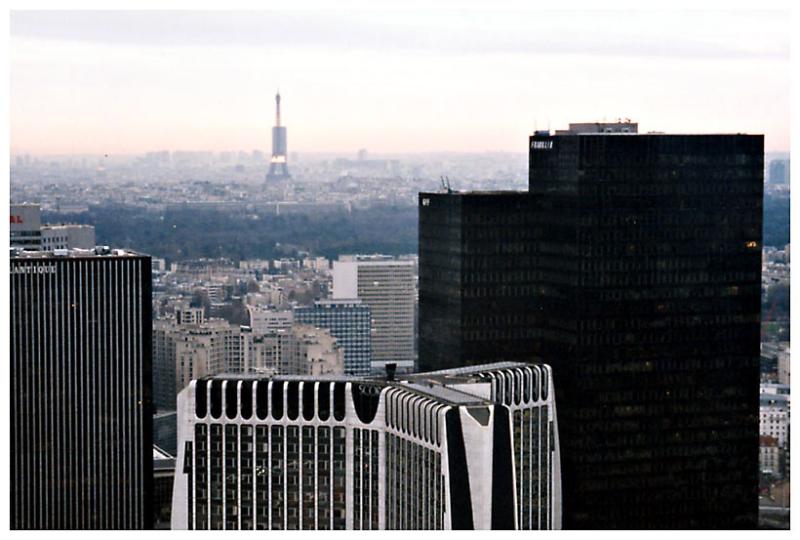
x,y
446,184
278,109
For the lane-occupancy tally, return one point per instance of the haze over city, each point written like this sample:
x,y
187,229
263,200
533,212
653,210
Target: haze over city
x,y
400,81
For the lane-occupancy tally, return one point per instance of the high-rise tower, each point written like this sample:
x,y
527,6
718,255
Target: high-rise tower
x,y
649,291
278,169
81,435
632,267
386,285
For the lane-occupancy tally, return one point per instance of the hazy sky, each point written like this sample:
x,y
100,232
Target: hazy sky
x,y
401,81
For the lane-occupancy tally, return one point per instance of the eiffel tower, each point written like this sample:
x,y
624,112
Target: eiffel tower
x,y
278,170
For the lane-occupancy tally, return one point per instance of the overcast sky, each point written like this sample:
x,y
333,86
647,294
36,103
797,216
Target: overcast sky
x,y
401,81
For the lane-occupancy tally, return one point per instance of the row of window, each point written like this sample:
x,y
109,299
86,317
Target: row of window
x,y
653,218
366,479
533,465
267,477
415,491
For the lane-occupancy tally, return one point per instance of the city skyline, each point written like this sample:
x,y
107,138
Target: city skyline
x,y
468,81
530,269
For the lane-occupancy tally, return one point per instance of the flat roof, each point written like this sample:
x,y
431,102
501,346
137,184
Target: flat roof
x,y
445,393
56,254
473,193
474,370
65,225
336,301
438,385
285,378
647,134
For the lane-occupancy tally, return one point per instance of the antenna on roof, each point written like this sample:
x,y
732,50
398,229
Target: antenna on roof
x,y
446,184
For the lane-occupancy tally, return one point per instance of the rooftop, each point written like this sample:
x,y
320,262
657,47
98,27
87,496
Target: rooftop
x,y
444,393
619,127
452,386
473,193
98,251
337,301
285,378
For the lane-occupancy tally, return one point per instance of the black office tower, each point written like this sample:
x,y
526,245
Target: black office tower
x,y
81,433
657,239
476,266
639,274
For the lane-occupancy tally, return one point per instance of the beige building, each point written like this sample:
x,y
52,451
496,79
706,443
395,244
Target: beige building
x,y
189,346
189,349
784,358
316,351
299,350
189,315
770,455
264,320
206,349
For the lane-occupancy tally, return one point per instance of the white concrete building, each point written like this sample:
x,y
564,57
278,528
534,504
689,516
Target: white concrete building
x,y
469,448
774,413
68,237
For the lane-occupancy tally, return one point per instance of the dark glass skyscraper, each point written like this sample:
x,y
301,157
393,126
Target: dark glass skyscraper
x,y
475,278
81,434
639,273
